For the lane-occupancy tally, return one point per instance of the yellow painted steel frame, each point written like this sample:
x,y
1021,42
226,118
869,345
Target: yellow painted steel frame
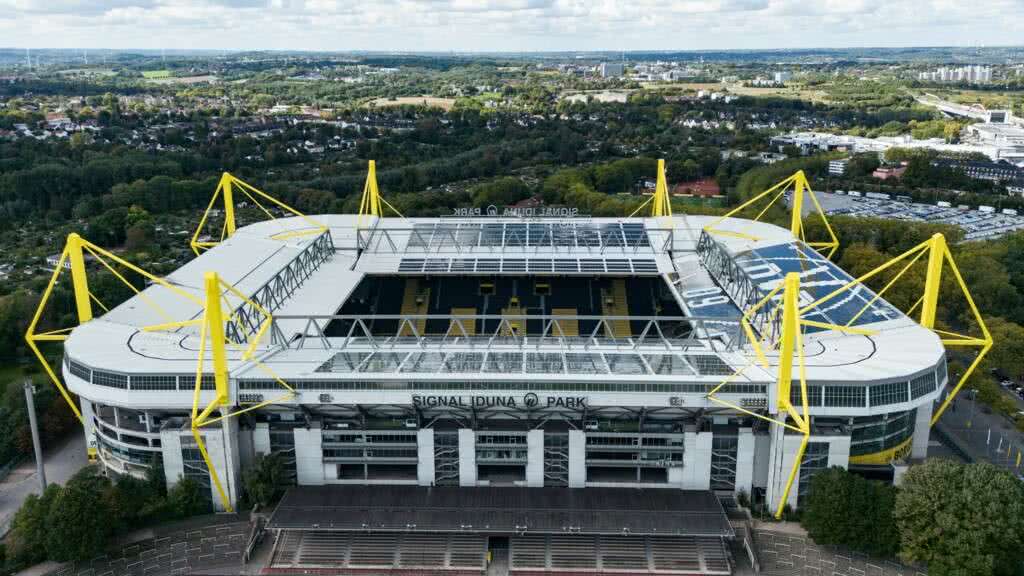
x,y
212,334
938,255
226,188
800,186
790,341
74,255
661,202
370,204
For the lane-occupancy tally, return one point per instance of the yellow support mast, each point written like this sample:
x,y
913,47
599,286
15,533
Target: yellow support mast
x,y
801,191
662,201
212,336
371,204
226,189
74,255
939,256
790,347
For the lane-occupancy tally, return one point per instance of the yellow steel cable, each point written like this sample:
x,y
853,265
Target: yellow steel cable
x,y
97,301
862,278
641,207
886,287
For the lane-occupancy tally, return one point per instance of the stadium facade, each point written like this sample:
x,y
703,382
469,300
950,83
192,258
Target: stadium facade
x,y
504,351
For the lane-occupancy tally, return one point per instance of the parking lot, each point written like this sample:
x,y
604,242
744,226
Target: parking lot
x,y
975,224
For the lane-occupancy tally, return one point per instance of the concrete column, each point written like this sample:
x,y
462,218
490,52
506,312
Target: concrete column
x,y
261,438
170,449
839,451
745,461
232,457
222,447
922,430
762,456
782,452
467,457
535,458
577,459
425,456
309,454
87,422
697,460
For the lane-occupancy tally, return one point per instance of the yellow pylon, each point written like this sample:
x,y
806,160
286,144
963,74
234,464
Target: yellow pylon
x,y
801,189
226,188
370,206
75,249
938,256
662,205
661,202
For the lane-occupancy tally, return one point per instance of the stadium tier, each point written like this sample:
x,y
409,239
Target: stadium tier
x,y
492,351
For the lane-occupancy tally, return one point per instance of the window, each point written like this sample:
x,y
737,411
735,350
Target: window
x,y
923,384
110,379
891,393
154,382
844,396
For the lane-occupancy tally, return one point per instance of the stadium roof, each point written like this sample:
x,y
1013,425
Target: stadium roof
x,y
504,510
308,278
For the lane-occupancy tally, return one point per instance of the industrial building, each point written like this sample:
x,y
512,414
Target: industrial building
x,y
562,355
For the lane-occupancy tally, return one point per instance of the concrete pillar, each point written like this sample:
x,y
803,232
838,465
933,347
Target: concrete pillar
x,y
170,449
745,461
425,456
232,475
577,459
922,431
535,458
467,457
309,454
222,447
261,438
697,460
87,422
780,464
839,451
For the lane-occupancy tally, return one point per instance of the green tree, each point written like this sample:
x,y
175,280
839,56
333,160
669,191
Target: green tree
x,y
87,514
263,479
186,498
961,519
26,542
848,510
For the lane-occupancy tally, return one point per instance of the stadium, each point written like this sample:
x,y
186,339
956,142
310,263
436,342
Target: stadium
x,y
445,388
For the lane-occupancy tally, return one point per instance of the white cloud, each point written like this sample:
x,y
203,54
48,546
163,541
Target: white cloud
x,y
513,25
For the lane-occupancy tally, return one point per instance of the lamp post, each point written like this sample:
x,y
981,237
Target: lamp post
x,y
36,445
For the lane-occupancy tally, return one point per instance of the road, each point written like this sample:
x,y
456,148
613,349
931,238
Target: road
x,y
986,436
61,463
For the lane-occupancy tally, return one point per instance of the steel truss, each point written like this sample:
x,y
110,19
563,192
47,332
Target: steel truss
x,y
247,319
723,335
738,285
462,236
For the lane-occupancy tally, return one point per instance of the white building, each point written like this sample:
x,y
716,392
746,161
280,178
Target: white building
x,y
611,69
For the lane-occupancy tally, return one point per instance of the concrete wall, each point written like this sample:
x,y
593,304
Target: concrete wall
x,y
309,454
697,460
467,457
745,461
922,431
425,456
261,438
577,459
535,458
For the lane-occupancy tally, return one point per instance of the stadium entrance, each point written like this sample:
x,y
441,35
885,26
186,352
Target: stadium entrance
x,y
412,530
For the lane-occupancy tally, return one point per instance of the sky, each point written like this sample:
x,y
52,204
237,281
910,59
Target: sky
x,y
507,25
